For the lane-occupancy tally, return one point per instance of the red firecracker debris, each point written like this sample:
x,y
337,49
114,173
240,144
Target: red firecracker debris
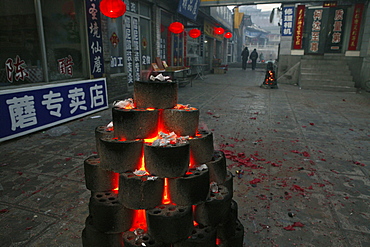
x,y
289,228
255,181
3,211
298,224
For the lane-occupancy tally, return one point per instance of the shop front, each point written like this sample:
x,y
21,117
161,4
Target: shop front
x,y
60,58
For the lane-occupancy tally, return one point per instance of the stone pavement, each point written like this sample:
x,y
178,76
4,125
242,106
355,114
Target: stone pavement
x,y
300,158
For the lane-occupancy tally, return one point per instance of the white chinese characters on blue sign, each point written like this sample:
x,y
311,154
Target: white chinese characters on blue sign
x,y
31,109
288,17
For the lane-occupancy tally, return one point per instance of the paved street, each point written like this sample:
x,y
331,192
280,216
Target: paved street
x,y
301,160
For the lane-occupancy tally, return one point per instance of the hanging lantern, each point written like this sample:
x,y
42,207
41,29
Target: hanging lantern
x,y
176,27
219,30
228,35
194,33
112,8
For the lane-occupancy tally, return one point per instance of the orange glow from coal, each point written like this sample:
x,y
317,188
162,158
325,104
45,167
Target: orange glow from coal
x,y
150,109
142,165
150,140
115,182
184,107
218,241
193,207
139,220
166,193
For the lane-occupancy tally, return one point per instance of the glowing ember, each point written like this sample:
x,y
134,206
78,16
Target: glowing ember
x,y
125,104
166,193
184,107
169,139
139,222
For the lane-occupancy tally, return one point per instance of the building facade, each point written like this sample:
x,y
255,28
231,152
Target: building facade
x,y
64,59
329,31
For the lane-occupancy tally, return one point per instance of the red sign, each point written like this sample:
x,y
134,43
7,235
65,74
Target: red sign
x,y
298,32
356,25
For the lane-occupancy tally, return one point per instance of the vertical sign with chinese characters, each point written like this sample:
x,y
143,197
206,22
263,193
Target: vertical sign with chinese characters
x,y
130,64
315,31
136,48
94,38
299,23
356,25
335,42
27,110
287,27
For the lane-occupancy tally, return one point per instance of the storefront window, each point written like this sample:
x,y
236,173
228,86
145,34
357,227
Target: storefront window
x,y
63,38
19,44
42,34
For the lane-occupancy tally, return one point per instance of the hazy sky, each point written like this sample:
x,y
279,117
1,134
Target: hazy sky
x,y
266,7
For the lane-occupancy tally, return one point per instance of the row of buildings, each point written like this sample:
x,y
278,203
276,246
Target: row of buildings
x,y
63,59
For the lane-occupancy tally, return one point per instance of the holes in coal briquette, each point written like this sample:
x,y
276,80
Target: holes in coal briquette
x,y
145,238
157,211
181,210
172,208
99,195
102,200
111,198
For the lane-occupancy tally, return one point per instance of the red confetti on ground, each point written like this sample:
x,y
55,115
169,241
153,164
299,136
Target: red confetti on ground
x,y
68,159
298,224
358,163
305,154
255,181
20,173
289,228
334,171
296,188
3,211
276,165
312,124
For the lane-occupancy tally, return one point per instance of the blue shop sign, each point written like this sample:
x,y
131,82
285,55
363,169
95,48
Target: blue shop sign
x,y
27,110
189,8
288,17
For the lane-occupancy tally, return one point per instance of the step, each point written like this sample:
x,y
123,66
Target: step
x,y
323,66
328,83
328,76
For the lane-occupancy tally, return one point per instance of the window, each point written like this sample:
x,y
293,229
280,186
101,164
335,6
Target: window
x,y
27,49
20,45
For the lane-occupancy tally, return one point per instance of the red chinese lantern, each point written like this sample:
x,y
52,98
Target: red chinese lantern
x,y
194,33
176,27
113,8
219,30
228,35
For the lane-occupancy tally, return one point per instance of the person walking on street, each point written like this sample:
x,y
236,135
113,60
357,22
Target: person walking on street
x,y
253,57
245,55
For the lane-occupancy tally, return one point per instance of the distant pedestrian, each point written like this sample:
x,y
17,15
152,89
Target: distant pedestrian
x,y
253,57
245,55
